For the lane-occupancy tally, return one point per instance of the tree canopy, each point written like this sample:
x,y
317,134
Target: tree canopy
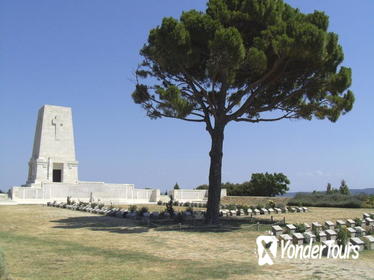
x,y
253,56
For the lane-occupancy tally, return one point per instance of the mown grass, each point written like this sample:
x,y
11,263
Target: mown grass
x,y
44,250
51,243
47,259
3,269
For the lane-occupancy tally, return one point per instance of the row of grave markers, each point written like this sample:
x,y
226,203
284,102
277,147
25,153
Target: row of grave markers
x,y
262,211
358,233
125,213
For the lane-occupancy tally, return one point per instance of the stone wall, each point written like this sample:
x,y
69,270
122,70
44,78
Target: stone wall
x,y
83,191
187,195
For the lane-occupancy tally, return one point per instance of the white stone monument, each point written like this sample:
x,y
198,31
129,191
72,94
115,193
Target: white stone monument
x,y
53,156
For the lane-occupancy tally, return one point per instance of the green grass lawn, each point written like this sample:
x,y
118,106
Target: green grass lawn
x,y
52,243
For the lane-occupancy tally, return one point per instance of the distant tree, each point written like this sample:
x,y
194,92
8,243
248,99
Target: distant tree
x,y
269,184
344,188
242,61
176,186
329,188
261,184
202,187
1,191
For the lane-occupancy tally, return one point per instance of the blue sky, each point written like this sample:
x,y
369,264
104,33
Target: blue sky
x,y
82,54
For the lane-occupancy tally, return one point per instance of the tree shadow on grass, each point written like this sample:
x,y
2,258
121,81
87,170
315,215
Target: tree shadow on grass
x,y
128,226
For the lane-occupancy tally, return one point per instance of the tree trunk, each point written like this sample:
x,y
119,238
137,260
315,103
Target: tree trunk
x,y
215,172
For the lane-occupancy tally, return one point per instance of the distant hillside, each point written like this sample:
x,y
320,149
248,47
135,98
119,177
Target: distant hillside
x,y
367,191
353,191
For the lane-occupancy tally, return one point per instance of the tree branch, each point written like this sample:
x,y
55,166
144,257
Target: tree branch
x,y
251,89
286,116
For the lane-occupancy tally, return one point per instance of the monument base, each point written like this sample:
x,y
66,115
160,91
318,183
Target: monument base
x,y
83,191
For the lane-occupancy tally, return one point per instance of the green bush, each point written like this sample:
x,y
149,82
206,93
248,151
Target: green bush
x,y
259,206
142,211
245,209
279,205
317,236
100,205
231,207
169,208
322,199
358,222
270,204
300,228
133,208
369,202
159,202
343,236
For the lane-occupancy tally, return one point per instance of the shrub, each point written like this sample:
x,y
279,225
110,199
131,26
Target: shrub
x,y
358,222
270,204
187,204
369,202
142,211
231,207
245,209
133,208
175,203
370,231
280,205
322,199
317,236
100,205
94,204
300,228
343,236
159,202
259,206
169,208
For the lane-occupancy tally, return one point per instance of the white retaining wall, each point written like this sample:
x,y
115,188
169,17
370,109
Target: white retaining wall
x,y
115,193
187,195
